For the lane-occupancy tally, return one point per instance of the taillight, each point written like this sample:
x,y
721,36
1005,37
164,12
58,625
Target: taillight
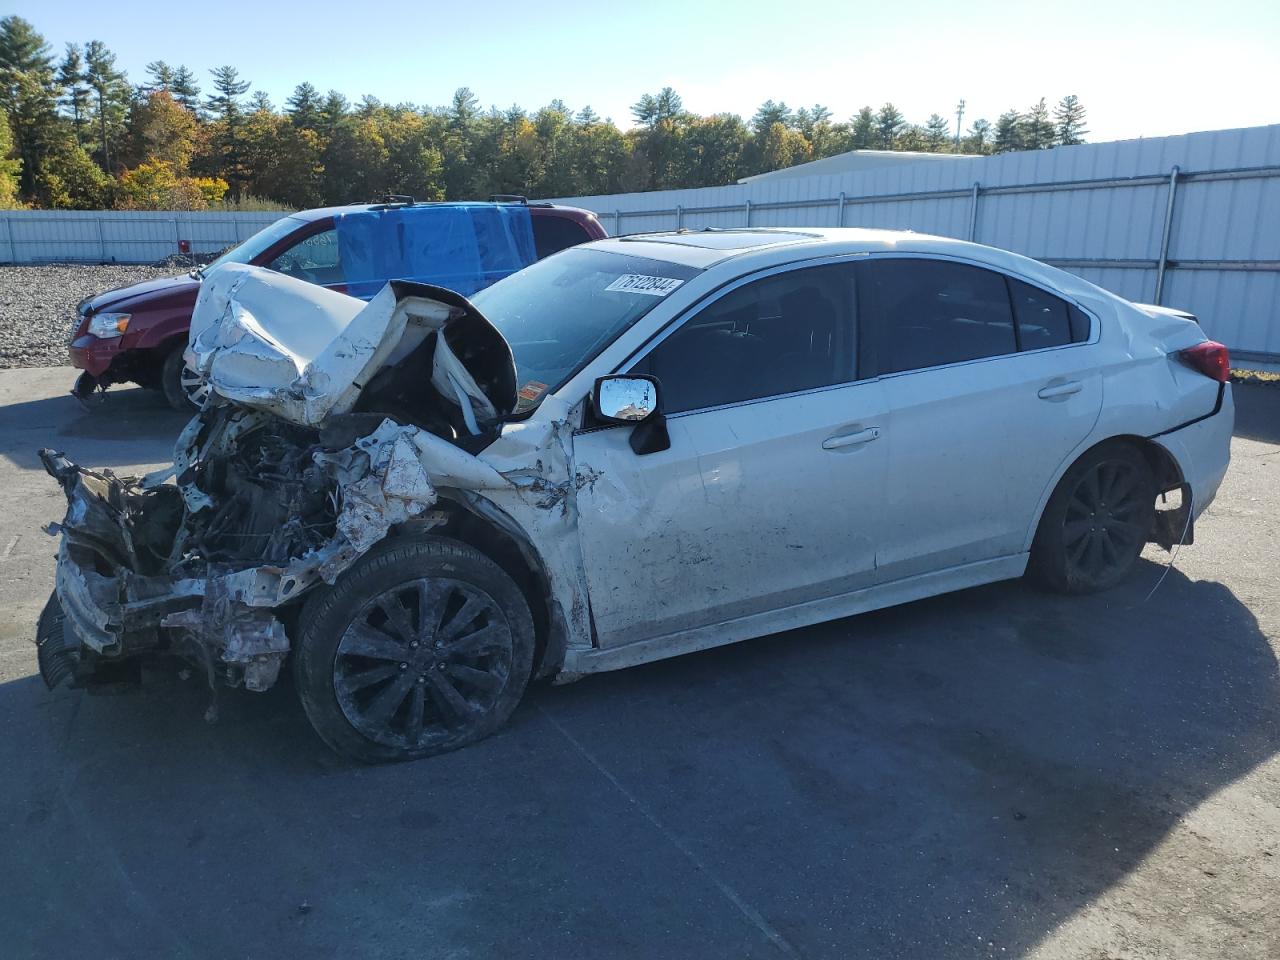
x,y
1210,358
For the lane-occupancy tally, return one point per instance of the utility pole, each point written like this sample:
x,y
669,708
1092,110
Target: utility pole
x,y
959,117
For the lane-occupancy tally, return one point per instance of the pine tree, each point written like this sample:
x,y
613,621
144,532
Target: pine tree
x,y
185,89
1009,133
769,114
111,95
863,129
979,137
225,107
72,80
260,102
303,107
1070,119
889,124
937,134
160,76
1039,130
29,97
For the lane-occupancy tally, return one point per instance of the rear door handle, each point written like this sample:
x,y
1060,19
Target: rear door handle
x,y
850,439
1054,391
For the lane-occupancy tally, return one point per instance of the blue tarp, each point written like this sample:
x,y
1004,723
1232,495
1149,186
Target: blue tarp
x,y
463,246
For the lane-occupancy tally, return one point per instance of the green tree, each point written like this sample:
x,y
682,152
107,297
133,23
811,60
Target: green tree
x,y
333,112
1069,117
354,162
863,135
1039,131
29,97
656,143
225,107
768,114
780,147
76,95
978,140
1009,134
937,135
304,106
111,97
159,76
9,168
185,89
889,124
714,150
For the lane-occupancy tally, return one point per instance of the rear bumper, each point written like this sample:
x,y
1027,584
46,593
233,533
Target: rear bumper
x,y
1203,452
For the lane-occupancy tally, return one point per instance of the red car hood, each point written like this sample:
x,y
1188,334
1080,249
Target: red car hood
x,y
165,291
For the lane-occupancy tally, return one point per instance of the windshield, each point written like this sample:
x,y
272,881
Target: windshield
x,y
260,241
559,313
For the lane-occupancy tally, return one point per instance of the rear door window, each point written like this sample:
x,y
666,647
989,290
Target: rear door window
x,y
553,234
1045,320
919,313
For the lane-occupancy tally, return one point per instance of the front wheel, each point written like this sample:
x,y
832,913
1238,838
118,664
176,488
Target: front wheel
x,y
184,389
423,646
1097,521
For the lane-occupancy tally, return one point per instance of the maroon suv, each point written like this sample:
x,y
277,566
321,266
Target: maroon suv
x,y
138,333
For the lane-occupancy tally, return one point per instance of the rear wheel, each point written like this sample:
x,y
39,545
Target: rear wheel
x,y
421,647
1097,521
184,389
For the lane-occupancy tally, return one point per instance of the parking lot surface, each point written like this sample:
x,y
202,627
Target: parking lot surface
x,y
995,773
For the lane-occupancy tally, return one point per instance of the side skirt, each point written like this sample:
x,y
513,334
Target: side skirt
x,y
790,618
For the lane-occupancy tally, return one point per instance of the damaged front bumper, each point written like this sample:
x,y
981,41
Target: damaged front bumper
x,y
105,612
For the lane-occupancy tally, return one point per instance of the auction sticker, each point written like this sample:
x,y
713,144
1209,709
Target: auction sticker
x,y
639,283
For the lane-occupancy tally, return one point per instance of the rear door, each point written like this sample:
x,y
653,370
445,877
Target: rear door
x,y
769,495
976,426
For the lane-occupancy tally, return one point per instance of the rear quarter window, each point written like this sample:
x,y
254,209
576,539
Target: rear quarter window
x,y
553,234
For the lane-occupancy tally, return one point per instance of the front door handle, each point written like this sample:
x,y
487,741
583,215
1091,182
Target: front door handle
x,y
850,439
1060,390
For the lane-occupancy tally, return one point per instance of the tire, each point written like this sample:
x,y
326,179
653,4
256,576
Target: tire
x,y
180,384
1085,544
461,675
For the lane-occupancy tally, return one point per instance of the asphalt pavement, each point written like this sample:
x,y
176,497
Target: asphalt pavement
x,y
995,773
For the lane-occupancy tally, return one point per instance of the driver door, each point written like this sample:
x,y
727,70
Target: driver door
x,y
769,495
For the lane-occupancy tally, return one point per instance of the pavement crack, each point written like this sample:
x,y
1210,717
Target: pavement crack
x,y
750,913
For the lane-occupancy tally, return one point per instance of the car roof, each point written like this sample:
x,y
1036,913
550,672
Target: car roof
x,y
751,249
323,213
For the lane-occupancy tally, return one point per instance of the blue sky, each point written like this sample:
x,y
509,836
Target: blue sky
x,y
1142,69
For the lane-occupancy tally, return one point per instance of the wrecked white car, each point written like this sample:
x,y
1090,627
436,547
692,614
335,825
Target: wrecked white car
x,y
633,449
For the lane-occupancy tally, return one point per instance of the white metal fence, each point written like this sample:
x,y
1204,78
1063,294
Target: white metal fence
x,y
1190,221
114,236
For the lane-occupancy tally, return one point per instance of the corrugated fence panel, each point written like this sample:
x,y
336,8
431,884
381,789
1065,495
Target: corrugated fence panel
x,y
1098,210
117,236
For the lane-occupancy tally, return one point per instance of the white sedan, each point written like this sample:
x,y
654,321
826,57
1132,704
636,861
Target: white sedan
x,y
633,449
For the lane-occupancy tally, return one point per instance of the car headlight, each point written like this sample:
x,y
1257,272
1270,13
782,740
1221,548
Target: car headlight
x,y
108,325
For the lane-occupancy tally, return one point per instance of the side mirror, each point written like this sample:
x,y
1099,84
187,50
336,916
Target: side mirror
x,y
633,399
625,399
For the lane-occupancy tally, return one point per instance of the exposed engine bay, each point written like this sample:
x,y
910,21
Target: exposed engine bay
x,y
322,434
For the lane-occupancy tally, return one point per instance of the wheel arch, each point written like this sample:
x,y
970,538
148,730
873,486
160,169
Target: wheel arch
x,y
500,539
1164,468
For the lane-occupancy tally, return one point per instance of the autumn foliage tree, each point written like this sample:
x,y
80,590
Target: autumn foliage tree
x,y
79,135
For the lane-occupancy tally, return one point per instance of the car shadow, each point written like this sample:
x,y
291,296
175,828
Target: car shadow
x,y
120,427
954,777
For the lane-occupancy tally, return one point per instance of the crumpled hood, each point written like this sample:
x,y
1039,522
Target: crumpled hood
x,y
302,352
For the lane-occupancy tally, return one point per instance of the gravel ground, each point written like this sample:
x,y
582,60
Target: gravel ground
x,y
38,306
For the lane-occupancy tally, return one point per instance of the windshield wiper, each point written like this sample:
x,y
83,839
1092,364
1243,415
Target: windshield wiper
x,y
197,273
